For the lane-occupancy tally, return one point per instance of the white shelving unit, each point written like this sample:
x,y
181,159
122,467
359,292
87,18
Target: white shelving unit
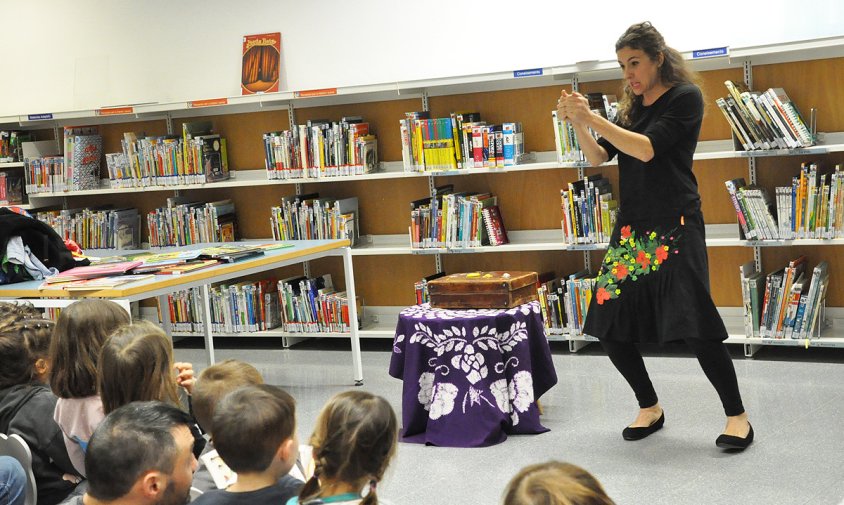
x,y
380,321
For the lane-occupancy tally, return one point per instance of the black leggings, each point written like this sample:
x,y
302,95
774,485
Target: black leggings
x,y
712,356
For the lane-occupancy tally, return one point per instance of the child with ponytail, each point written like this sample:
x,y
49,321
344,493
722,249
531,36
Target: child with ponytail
x,y
354,439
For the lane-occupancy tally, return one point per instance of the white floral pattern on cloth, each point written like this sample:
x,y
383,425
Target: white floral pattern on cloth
x,y
396,341
515,397
425,311
472,364
466,349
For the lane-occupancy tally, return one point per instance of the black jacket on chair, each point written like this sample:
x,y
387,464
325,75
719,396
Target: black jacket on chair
x,y
47,245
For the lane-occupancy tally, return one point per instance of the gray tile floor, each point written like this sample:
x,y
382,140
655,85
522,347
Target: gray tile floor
x,y
795,399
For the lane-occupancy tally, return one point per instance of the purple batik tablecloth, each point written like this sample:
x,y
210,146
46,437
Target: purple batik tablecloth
x,y
471,377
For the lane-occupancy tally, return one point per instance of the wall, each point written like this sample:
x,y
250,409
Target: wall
x,y
93,53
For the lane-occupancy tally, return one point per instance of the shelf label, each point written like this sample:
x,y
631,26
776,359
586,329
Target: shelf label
x,y
315,92
114,111
208,103
528,72
714,52
37,117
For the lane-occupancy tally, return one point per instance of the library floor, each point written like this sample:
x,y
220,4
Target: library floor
x,y
794,397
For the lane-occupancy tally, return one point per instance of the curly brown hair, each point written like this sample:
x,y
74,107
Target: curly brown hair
x,y
673,71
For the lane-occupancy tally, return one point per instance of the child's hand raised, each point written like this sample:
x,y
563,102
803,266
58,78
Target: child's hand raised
x,y
184,376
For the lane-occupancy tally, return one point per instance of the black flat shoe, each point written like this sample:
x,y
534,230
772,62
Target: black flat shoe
x,y
642,432
735,443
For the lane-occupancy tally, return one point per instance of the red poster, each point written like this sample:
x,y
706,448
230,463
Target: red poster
x,y
261,63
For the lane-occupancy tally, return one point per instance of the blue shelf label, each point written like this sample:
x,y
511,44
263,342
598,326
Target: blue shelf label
x,y
530,72
36,117
710,53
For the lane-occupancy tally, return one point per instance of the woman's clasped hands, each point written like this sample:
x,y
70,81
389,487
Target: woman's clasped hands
x,y
573,107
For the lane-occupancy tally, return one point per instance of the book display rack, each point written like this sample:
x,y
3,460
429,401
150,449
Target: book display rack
x,y
528,193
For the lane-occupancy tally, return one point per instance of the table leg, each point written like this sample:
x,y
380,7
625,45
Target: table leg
x,y
206,323
164,312
353,315
126,304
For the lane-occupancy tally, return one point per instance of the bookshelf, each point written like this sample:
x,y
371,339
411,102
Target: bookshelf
x,y
528,193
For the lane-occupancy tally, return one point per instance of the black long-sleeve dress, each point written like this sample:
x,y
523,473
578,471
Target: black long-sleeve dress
x,y
653,285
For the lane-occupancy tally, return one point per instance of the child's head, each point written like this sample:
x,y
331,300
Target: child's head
x,y
136,364
555,483
26,321
37,334
217,381
15,359
354,439
79,335
11,313
254,430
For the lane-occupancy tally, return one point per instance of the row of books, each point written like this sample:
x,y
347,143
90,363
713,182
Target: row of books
x,y
195,157
78,169
421,288
313,305
459,141
589,211
565,301
764,120
11,188
183,222
456,220
321,148
96,228
245,307
812,207
10,145
786,303
309,217
295,304
565,139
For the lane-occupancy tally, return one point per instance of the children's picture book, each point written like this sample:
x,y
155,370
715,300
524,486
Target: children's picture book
x,y
98,283
231,253
221,473
91,271
191,266
224,476
260,72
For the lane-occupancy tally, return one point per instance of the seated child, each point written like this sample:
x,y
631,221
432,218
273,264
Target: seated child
x,y
555,483
26,409
213,384
254,431
354,439
80,331
136,364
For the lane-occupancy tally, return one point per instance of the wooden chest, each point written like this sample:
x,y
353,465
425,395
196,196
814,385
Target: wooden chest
x,y
483,290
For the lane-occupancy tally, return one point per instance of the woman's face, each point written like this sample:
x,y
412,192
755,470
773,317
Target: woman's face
x,y
640,71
